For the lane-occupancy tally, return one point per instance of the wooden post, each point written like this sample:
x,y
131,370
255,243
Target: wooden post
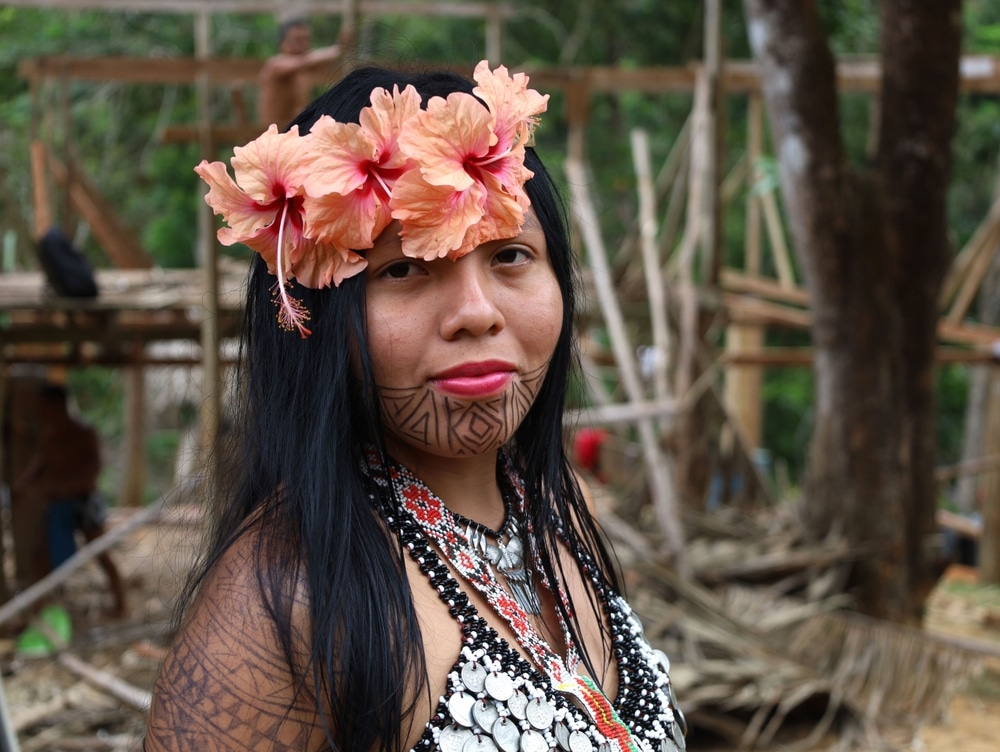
x,y
711,219
989,543
494,35
211,402
742,385
6,578
577,111
133,447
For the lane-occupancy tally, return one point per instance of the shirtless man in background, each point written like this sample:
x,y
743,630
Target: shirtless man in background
x,y
285,78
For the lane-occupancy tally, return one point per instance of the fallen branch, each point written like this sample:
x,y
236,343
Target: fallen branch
x,y
132,696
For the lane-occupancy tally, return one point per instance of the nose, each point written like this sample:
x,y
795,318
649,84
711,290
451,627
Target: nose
x,y
469,301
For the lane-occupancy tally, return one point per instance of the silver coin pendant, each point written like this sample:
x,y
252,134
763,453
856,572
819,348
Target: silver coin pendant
x,y
562,736
485,714
453,738
667,745
480,743
460,706
532,741
499,686
474,677
540,713
580,742
507,735
518,703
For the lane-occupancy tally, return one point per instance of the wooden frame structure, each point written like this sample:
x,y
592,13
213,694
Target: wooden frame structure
x,y
746,301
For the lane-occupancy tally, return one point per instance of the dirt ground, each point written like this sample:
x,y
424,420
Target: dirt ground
x,y
962,608
52,707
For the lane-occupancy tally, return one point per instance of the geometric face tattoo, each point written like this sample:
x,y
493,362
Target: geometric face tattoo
x,y
425,418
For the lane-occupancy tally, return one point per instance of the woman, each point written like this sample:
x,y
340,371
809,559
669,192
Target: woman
x,y
407,560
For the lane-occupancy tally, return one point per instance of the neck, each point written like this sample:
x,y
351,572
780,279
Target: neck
x,y
466,485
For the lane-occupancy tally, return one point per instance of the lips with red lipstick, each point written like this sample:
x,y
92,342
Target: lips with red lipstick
x,y
481,379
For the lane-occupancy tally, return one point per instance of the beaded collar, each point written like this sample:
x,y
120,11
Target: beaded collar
x,y
499,701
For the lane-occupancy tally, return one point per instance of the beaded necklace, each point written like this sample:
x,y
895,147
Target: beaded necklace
x,y
437,523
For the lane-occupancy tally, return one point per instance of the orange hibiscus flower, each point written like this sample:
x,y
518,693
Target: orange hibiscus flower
x,y
354,168
468,183
263,210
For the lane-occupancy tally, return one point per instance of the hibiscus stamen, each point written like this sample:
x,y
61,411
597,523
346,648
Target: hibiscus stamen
x,y
291,312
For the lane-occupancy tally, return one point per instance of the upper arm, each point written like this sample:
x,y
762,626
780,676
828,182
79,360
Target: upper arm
x,y
226,683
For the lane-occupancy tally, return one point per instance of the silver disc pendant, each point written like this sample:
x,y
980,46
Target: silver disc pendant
x,y
480,743
453,738
485,714
532,741
474,677
460,706
499,686
540,713
518,703
580,742
562,736
507,735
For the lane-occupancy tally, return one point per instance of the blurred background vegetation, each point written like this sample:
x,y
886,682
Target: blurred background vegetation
x,y
115,132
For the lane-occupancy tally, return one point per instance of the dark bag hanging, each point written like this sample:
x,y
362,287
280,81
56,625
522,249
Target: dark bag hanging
x,y
65,267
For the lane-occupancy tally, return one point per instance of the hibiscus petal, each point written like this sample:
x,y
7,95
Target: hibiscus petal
x,y
502,217
512,103
435,219
243,215
384,120
320,266
339,157
445,136
272,166
349,222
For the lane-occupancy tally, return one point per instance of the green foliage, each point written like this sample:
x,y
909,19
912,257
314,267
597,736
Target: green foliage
x,y
952,393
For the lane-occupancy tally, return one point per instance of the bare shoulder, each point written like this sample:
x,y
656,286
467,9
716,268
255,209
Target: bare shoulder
x,y
226,683
588,494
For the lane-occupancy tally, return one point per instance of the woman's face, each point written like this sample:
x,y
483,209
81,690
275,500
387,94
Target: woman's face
x,y
460,348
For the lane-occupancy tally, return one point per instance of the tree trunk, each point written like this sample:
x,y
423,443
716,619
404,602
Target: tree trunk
x,y
873,248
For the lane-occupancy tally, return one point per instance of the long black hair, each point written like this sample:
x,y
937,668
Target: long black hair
x,y
306,411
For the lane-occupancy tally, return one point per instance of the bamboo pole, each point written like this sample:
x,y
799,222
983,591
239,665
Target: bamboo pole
x,y
661,484
989,244
667,178
755,148
655,287
973,247
689,244
776,234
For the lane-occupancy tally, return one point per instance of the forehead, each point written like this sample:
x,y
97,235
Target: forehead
x,y
531,232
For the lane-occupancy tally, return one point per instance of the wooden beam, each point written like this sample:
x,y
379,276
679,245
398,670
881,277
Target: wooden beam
x,y
307,7
118,242
738,77
774,357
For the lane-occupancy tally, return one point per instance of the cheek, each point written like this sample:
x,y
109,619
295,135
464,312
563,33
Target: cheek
x,y
542,322
389,342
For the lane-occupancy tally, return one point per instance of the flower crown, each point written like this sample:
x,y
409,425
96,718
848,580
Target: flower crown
x,y
453,176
